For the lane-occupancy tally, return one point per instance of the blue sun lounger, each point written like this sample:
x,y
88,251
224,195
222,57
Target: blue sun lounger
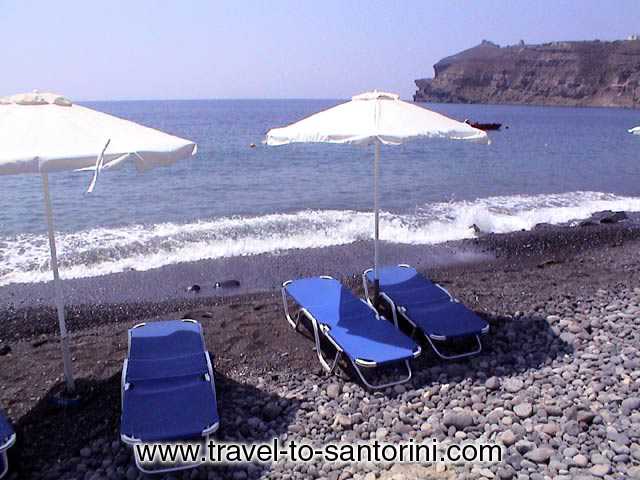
x,y
428,308
7,439
168,390
351,326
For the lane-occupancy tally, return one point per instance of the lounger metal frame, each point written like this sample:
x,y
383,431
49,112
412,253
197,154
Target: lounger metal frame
x,y
209,430
399,309
3,454
319,327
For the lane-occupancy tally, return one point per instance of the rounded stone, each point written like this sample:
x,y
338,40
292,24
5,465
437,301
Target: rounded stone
x,y
523,410
539,455
580,461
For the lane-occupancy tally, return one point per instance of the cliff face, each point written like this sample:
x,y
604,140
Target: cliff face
x,y
605,74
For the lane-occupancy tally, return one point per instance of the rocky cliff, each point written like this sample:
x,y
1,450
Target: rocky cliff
x,y
594,73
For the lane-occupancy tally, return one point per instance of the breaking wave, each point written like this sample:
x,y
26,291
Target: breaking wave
x,y
25,258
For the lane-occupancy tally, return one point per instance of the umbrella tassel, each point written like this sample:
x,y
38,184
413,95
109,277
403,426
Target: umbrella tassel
x,y
99,162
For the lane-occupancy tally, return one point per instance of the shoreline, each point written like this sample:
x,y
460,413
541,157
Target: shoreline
x,y
146,294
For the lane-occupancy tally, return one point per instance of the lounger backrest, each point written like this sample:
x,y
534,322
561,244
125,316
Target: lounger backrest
x,y
172,367
328,301
393,275
405,286
165,339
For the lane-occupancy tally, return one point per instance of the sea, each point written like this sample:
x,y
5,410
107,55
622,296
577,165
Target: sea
x,y
240,197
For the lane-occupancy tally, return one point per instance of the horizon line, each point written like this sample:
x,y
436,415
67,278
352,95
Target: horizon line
x,y
209,98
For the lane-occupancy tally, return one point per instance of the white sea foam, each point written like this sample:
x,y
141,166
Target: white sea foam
x,y
24,258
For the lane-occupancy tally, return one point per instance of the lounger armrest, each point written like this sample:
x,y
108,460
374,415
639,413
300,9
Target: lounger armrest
x,y
9,443
365,284
366,363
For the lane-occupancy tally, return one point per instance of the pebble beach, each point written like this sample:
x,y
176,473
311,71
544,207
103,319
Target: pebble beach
x,y
556,383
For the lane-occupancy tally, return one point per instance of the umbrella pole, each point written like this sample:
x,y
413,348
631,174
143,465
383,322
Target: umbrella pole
x,y
376,259
64,339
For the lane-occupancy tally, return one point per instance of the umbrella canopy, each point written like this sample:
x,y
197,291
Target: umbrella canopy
x,y
373,117
378,118
635,130
45,132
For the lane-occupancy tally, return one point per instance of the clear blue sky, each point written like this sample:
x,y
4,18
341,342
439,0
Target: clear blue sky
x,y
143,49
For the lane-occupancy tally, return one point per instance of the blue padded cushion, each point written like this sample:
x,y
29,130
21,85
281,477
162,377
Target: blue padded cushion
x,y
155,369
448,319
165,339
404,285
168,397
428,306
353,325
6,430
175,409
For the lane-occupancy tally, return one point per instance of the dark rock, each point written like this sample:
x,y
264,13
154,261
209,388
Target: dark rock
x,y
194,288
630,404
477,230
334,390
492,383
506,472
228,284
5,350
617,437
548,263
572,428
587,223
539,455
514,460
553,410
459,420
612,217
271,411
585,416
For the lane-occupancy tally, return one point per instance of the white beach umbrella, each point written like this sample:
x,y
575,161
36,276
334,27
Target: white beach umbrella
x,y
635,130
45,132
378,118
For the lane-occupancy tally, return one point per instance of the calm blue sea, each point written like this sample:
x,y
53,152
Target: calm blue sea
x,y
551,164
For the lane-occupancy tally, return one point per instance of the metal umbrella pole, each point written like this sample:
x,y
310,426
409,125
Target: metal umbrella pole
x,y
64,339
376,237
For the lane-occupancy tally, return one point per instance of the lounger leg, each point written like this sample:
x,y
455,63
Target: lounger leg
x,y
316,334
461,355
414,331
323,362
5,463
383,385
292,322
365,286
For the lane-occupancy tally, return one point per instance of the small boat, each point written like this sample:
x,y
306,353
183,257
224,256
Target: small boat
x,y
635,130
483,126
